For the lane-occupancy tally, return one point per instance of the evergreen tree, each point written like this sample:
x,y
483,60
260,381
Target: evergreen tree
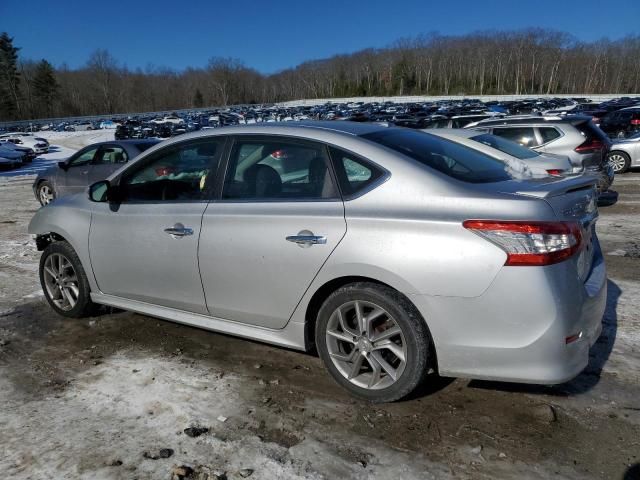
x,y
198,99
9,78
45,88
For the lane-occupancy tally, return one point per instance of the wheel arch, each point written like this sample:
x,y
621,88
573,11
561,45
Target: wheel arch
x,y
330,286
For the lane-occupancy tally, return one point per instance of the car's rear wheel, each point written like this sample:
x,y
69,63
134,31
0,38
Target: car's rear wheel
x,y
373,341
65,282
46,193
620,161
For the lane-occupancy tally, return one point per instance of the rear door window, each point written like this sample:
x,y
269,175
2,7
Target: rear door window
x,y
273,168
525,136
110,154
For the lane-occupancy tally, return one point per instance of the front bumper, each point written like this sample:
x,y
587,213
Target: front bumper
x,y
516,331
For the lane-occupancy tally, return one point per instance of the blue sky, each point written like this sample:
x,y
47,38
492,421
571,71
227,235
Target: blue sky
x,y
271,35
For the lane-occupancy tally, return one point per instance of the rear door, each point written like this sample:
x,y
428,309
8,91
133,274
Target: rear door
x,y
277,220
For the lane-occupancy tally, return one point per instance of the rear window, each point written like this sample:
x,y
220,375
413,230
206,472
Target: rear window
x,y
449,158
507,146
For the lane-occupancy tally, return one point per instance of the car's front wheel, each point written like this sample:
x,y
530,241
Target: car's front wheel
x,y
620,161
373,341
64,281
46,193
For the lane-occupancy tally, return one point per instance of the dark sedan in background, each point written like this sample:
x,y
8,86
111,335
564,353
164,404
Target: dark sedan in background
x,y
89,165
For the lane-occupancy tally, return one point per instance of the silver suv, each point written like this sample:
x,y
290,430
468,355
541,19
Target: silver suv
x,y
574,136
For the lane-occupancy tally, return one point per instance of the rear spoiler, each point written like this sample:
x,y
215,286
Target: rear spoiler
x,y
552,186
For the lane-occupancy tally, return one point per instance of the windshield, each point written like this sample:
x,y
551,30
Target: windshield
x,y
507,146
450,158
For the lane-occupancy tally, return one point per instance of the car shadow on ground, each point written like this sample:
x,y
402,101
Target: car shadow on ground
x,y
598,356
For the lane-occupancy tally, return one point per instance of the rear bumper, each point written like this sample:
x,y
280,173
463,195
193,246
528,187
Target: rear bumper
x,y
516,331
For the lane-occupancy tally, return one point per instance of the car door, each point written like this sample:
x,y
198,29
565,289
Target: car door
x,y
144,247
263,241
106,161
75,177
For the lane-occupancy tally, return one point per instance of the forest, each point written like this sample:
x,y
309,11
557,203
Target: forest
x,y
529,62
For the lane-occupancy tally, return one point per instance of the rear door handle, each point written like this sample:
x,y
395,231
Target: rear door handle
x,y
179,230
307,239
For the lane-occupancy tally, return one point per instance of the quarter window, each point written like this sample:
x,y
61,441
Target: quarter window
x,y
274,169
176,173
548,134
354,174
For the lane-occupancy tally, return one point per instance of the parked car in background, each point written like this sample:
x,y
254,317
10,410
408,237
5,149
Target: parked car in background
x,y
27,153
625,153
621,123
38,144
8,151
573,136
86,166
393,252
498,147
9,163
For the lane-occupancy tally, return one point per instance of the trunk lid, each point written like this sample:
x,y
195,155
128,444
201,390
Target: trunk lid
x,y
573,199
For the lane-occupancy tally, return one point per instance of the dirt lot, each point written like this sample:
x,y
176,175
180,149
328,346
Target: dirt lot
x,y
111,396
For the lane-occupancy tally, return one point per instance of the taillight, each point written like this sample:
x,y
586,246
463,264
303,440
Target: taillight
x,y
590,146
555,171
635,121
530,243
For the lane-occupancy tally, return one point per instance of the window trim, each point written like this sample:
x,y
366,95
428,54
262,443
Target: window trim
x,y
209,190
257,137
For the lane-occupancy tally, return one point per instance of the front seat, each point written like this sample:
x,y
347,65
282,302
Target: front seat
x,y
262,181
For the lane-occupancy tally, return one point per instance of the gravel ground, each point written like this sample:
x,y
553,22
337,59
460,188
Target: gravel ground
x,y
115,396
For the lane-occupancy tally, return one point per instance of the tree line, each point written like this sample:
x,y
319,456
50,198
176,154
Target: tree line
x,y
528,62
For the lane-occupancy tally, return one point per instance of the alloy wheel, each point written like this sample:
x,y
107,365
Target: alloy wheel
x,y
366,345
46,194
61,281
617,162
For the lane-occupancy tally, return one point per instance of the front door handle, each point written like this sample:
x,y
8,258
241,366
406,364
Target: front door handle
x,y
307,240
179,230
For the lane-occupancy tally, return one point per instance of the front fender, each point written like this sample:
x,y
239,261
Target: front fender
x,y
69,218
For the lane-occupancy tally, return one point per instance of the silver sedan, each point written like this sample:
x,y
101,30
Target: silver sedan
x,y
395,253
625,153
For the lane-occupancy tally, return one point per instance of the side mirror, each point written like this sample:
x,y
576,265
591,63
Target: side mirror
x,y
102,191
63,165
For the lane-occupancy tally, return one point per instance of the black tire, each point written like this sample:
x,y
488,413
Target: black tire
x,y
627,160
420,355
40,195
84,307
